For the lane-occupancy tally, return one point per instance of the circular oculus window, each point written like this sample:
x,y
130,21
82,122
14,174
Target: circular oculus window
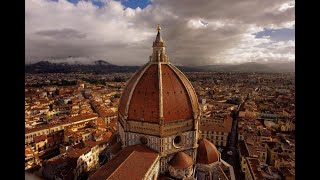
x,y
178,141
143,140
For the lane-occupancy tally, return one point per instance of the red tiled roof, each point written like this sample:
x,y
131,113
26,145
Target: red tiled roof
x,y
226,126
243,150
181,160
28,152
68,120
40,138
78,152
107,135
115,148
91,143
50,140
207,152
133,162
100,120
106,113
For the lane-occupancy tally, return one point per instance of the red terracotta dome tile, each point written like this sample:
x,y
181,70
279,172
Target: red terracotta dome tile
x,y
178,97
207,152
144,104
181,160
126,92
176,101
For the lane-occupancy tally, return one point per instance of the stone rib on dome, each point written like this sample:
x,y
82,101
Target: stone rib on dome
x,y
207,152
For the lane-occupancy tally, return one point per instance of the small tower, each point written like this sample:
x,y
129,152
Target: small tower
x,y
159,51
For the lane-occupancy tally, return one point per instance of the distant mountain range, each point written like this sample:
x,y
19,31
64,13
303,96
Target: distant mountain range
x,y
99,66
252,67
103,67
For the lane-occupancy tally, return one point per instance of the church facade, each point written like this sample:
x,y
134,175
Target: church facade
x,y
158,125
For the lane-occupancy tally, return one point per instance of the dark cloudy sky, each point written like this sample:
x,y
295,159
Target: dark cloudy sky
x,y
196,32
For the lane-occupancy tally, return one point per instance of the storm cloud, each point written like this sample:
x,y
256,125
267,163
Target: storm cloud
x,y
195,32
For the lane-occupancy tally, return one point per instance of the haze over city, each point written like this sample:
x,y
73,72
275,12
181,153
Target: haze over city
x,y
121,32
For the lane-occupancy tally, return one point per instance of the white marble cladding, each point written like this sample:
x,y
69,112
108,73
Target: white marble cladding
x,y
154,173
167,143
121,133
134,138
180,174
165,160
163,145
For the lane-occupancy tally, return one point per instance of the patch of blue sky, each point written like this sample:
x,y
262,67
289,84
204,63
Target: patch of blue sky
x,y
135,3
284,34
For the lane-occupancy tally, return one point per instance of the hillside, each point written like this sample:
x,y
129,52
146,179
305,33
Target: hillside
x,y
103,67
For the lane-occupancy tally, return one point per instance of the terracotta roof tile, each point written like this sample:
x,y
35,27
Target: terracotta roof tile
x,y
133,162
181,160
40,138
78,152
207,152
68,120
115,148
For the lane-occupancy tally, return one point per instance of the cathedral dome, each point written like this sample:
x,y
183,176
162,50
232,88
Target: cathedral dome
x,y
181,165
181,160
207,152
159,92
